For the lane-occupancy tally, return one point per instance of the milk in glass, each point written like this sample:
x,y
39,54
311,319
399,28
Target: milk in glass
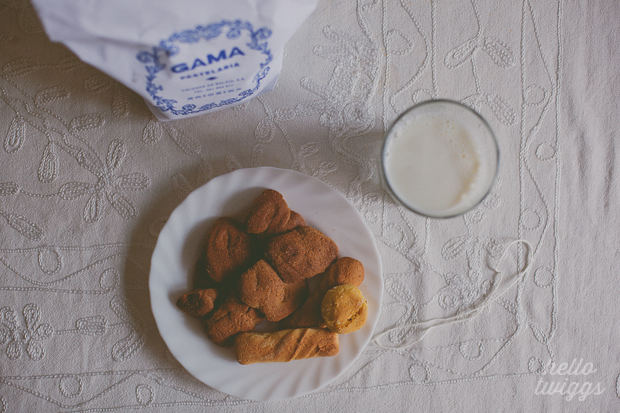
x,y
440,161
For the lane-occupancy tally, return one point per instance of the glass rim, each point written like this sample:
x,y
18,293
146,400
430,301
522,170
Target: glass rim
x,y
415,107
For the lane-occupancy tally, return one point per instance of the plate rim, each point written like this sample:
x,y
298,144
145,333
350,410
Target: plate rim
x,y
180,208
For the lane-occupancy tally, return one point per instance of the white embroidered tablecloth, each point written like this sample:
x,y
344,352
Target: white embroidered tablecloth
x,y
88,178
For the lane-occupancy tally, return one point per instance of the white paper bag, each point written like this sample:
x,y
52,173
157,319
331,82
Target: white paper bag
x,y
185,57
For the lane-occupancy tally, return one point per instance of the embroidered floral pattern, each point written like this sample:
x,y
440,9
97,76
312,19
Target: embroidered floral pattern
x,y
109,186
24,336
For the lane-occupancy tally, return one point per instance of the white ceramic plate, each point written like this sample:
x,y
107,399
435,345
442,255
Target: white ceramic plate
x,y
177,251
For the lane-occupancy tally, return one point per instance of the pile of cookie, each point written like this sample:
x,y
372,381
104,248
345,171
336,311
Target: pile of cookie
x,y
258,270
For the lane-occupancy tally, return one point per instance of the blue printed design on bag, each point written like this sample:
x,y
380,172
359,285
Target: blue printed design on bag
x,y
233,29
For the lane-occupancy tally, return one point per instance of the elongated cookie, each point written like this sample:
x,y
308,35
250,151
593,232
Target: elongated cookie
x,y
285,345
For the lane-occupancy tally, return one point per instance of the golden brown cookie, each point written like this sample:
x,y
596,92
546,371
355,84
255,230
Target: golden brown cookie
x,y
344,309
197,303
345,270
270,215
226,250
260,287
231,318
285,345
301,253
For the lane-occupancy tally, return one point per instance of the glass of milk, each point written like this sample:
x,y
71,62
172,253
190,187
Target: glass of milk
x,y
439,159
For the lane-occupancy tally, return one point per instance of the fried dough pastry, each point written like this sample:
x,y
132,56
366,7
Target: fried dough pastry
x,y
345,270
260,287
285,345
197,303
231,318
226,251
344,309
270,215
301,253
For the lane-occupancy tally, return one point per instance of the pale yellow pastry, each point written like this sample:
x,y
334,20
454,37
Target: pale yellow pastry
x,y
344,309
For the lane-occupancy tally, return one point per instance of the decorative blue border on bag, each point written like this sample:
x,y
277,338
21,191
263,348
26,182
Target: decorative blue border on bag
x,y
167,48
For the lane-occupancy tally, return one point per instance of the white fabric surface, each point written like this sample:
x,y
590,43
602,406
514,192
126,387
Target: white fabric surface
x,y
88,177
